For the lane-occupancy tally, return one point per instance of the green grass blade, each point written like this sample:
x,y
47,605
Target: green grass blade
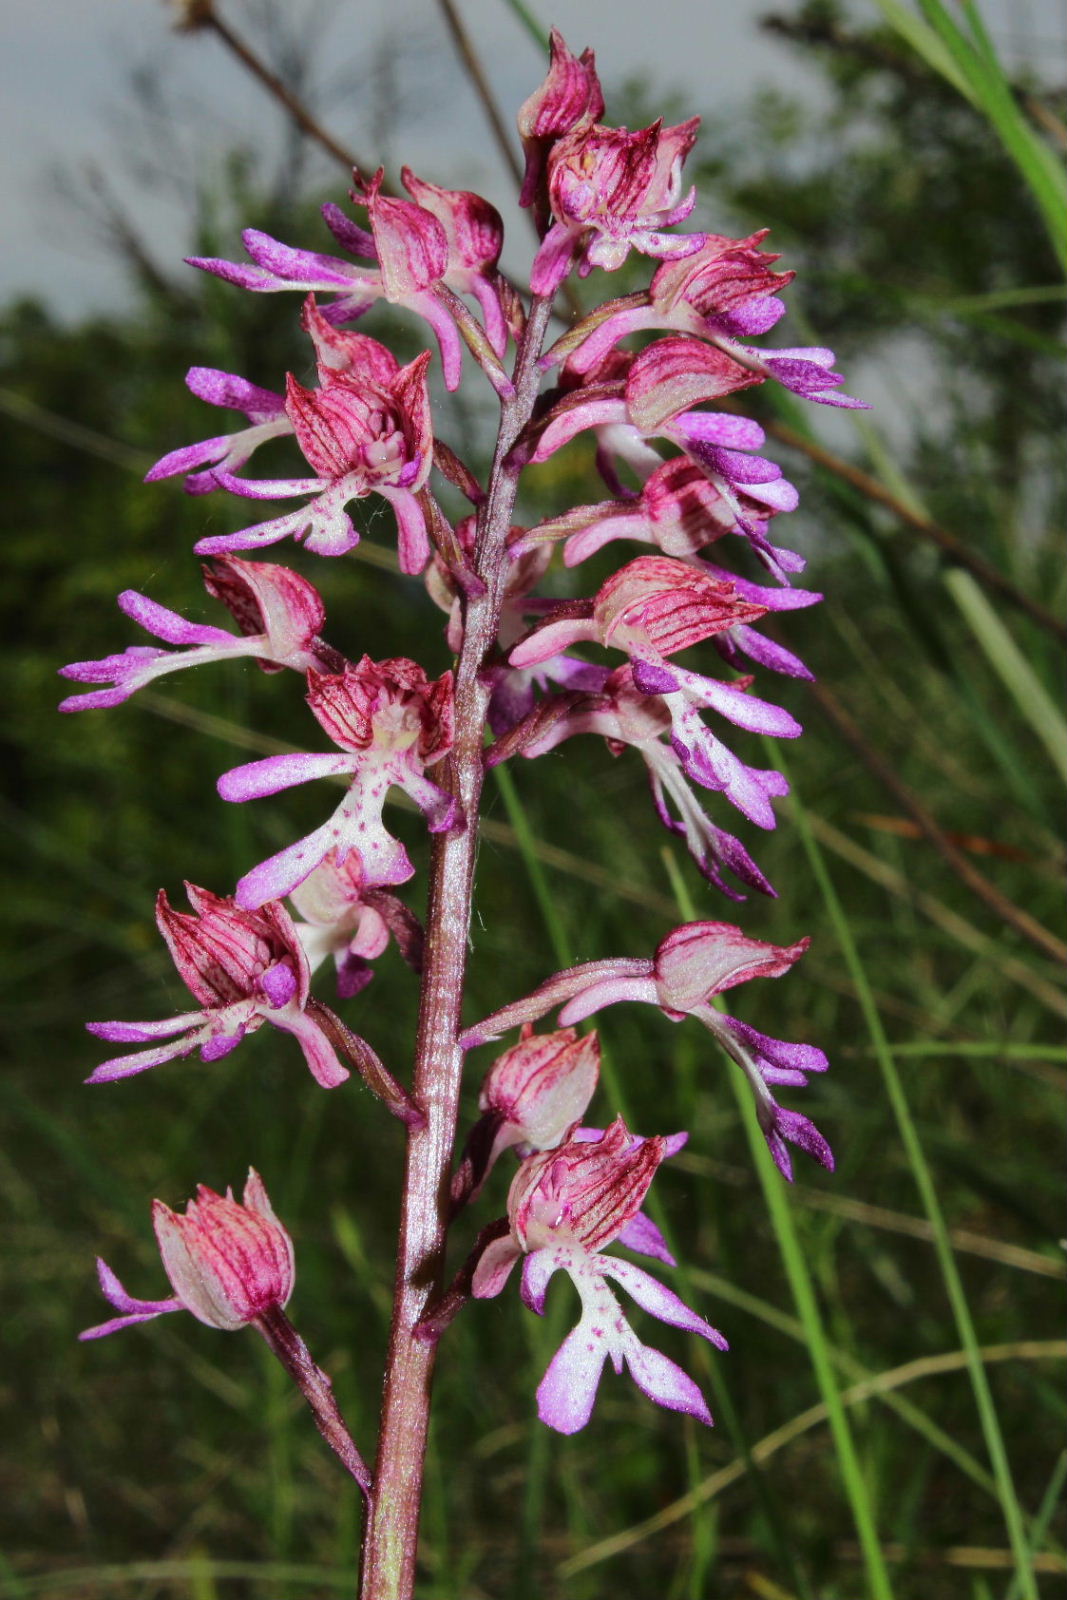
x,y
537,31
852,1477
1050,1501
1010,665
928,1193
970,64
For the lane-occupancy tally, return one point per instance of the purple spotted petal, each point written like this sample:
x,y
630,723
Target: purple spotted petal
x,y
567,1391
665,1383
659,1301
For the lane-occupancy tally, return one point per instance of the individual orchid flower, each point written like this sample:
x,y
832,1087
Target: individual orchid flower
x,y
656,606
475,235
692,965
723,292
365,430
623,715
611,190
564,1207
681,512
442,236
279,615
230,1263
569,99
336,351
228,452
651,608
652,401
345,919
245,967
390,722
676,509
703,757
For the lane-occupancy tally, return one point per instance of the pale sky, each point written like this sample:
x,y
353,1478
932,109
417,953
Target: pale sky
x,y
66,68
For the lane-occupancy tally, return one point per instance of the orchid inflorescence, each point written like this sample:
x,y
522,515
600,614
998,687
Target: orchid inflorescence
x,y
681,477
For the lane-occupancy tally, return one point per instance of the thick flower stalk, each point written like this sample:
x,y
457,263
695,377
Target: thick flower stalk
x,y
658,656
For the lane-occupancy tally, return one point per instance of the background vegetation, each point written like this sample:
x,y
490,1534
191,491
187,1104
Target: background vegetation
x,y
894,1362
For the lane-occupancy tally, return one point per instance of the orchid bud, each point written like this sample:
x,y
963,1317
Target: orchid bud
x,y
228,1262
541,1087
533,1095
569,98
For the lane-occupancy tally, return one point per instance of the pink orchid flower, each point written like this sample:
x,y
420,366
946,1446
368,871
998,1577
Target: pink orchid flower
x,y
564,1207
611,191
691,966
442,236
346,919
623,715
365,430
279,615
723,292
245,967
646,396
228,1262
390,723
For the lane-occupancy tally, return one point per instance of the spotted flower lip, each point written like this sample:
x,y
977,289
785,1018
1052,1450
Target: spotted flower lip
x,y
692,965
564,1207
228,1262
245,967
279,615
390,722
612,190
366,429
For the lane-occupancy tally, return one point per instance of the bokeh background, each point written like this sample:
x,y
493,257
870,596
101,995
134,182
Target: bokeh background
x,y
896,1330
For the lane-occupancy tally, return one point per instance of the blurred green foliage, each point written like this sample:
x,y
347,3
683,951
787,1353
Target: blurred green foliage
x,y
922,259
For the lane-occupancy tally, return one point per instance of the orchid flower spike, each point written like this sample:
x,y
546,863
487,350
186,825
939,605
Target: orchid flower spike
x,y
565,1206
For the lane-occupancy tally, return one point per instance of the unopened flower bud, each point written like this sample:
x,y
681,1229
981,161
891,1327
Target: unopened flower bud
x,y
227,1261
